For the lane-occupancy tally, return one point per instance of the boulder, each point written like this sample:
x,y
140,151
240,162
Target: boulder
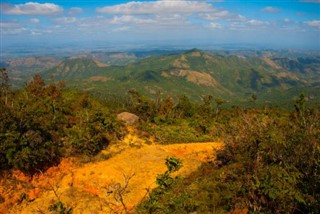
x,y
128,118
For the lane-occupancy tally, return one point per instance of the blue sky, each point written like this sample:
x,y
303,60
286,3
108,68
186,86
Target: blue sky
x,y
270,24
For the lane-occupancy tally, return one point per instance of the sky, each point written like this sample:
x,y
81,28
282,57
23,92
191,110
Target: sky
x,y
290,24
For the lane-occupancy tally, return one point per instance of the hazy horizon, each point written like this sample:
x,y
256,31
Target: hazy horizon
x,y
290,24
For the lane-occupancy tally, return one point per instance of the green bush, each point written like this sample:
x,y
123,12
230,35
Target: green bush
x,y
270,164
44,123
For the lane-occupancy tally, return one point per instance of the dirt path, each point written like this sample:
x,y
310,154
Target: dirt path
x,y
84,188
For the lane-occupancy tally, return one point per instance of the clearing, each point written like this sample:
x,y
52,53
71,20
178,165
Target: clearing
x,y
84,186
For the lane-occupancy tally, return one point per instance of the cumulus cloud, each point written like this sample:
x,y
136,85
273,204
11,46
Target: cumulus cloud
x,y
65,20
248,24
34,20
216,15
126,19
223,15
271,9
313,23
92,22
39,32
31,8
158,7
214,25
11,28
75,10
121,29
256,22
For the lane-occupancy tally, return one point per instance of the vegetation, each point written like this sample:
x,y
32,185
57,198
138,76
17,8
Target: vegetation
x,y
270,164
274,81
165,182
42,123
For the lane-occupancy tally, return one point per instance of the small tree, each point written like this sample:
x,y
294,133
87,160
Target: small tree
x,y
4,84
165,180
300,107
36,86
118,192
184,107
218,102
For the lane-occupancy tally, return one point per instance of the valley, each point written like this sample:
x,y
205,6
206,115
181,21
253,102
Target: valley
x,y
235,77
198,133
160,107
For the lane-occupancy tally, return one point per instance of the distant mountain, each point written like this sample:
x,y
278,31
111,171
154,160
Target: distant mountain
x,y
305,67
74,69
31,63
194,73
22,69
112,58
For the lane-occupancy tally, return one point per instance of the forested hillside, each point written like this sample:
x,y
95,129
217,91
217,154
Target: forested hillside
x,y
196,74
272,78
269,162
42,123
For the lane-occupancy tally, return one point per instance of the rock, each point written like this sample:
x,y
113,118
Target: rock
x,y
128,118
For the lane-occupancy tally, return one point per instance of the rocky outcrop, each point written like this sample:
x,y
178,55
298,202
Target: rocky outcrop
x,y
128,118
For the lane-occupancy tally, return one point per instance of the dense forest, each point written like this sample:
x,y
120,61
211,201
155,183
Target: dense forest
x,y
270,162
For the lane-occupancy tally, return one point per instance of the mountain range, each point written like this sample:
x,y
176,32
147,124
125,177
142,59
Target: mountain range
x,y
195,73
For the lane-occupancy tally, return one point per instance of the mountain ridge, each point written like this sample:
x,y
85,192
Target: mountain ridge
x,y
195,73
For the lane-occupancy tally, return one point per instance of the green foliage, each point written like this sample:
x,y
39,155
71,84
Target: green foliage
x,y
233,77
300,107
165,182
173,164
89,137
4,83
267,156
141,105
270,164
41,124
184,107
30,129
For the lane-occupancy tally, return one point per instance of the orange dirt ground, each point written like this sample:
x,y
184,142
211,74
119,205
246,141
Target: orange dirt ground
x,y
84,187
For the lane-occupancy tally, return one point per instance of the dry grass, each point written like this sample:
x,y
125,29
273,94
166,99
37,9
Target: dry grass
x,y
83,187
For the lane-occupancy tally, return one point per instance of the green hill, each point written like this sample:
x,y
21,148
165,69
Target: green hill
x,y
193,73
74,69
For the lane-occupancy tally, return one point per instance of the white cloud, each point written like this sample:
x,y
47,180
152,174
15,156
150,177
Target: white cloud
x,y
93,22
248,24
150,21
39,32
65,20
121,29
214,25
256,22
130,20
11,28
34,21
75,10
32,8
8,24
271,9
15,28
223,15
158,7
216,15
313,23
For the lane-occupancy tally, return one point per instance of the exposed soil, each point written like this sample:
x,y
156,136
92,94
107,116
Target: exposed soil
x,y
87,188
